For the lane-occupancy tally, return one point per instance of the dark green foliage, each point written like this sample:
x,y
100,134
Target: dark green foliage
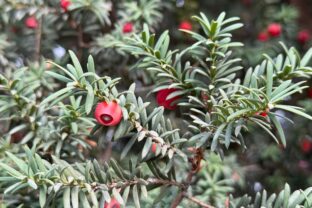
x,y
55,154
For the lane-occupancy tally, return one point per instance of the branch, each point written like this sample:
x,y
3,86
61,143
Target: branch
x,y
197,201
195,167
177,200
180,196
81,42
154,136
150,181
38,40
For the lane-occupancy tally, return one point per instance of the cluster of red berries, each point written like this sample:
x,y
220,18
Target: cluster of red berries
x,y
128,26
31,21
306,146
110,113
275,30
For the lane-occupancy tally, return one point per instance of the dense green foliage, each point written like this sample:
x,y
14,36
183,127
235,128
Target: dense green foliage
x,y
54,152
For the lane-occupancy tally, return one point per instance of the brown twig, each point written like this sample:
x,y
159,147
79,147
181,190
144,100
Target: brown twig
x,y
38,40
197,201
150,181
81,42
180,196
195,167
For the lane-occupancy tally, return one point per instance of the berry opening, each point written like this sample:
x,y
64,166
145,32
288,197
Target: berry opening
x,y
106,118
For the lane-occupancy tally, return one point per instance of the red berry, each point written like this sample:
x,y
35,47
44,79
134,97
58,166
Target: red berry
x,y
154,147
31,22
310,92
162,99
264,114
263,37
112,204
127,28
306,146
303,36
274,29
185,25
108,114
65,4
